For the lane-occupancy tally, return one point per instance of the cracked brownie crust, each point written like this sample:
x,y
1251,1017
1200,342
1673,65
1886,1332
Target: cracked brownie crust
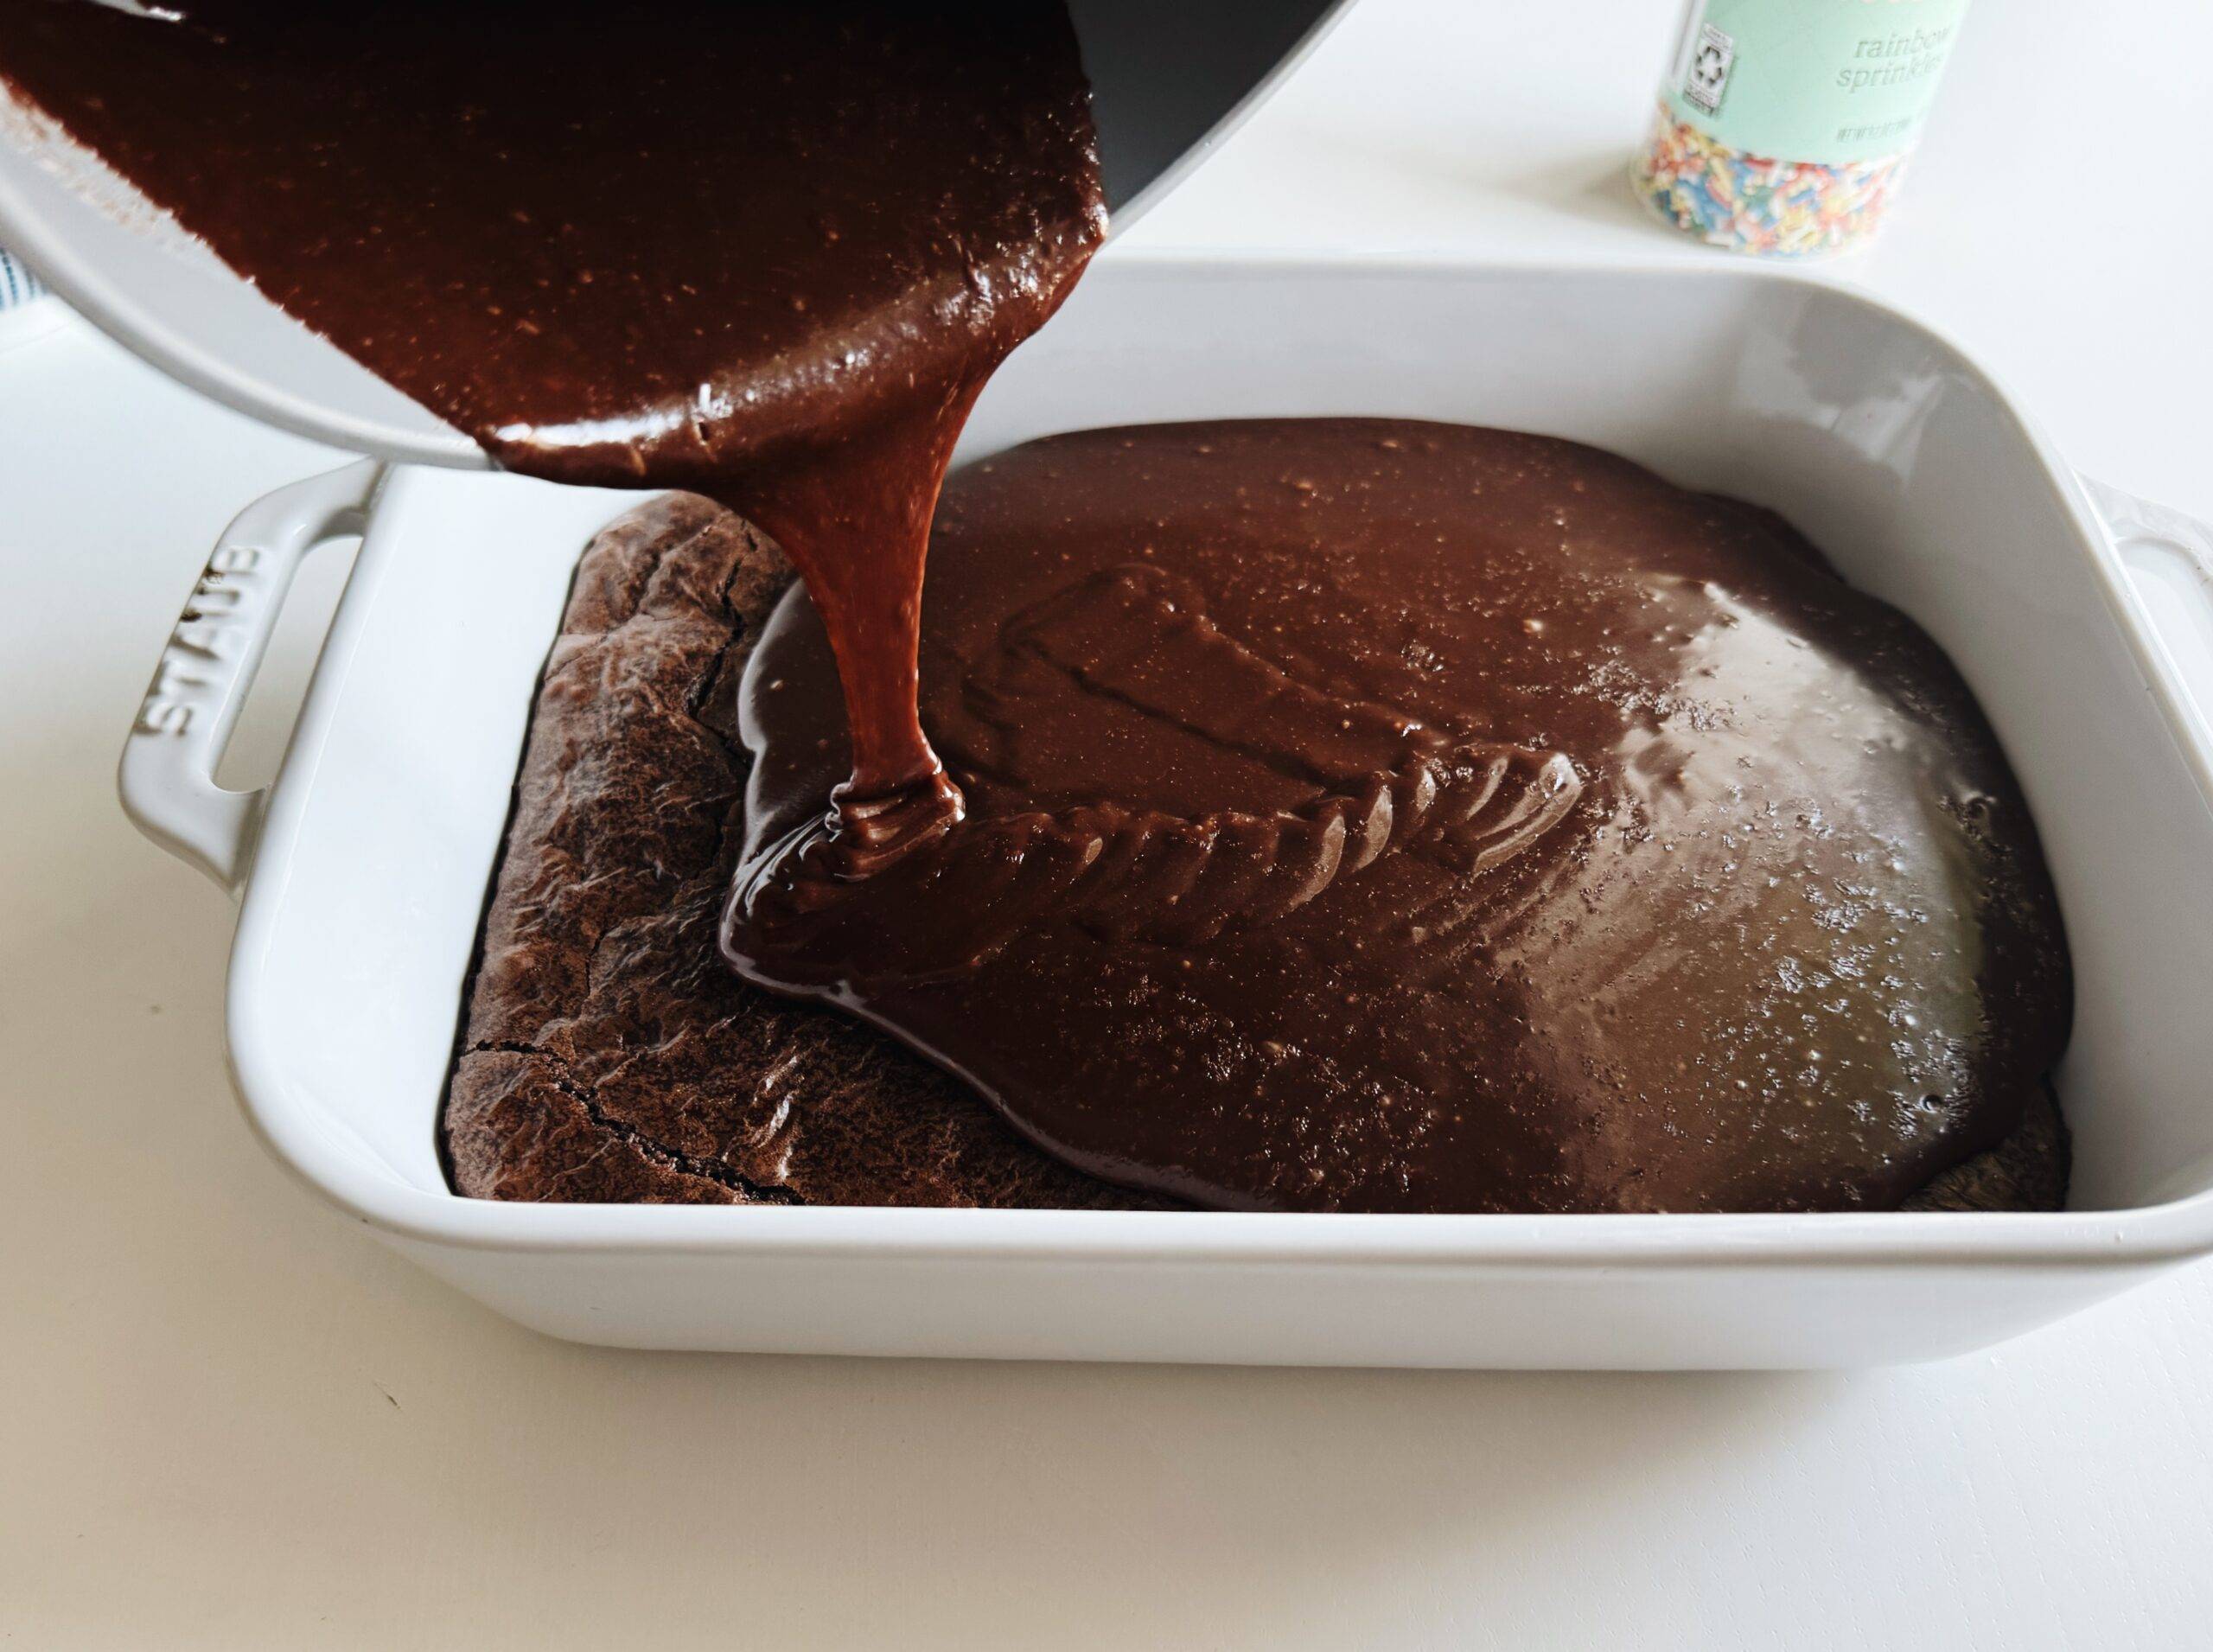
x,y
608,1056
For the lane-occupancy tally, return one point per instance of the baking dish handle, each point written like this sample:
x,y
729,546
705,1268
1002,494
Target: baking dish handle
x,y
167,774
2168,558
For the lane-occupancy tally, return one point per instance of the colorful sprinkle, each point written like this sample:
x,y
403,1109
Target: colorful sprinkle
x,y
1789,209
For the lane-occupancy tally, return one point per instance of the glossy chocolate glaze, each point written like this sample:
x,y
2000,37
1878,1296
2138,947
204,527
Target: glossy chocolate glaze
x,y
1393,816
768,252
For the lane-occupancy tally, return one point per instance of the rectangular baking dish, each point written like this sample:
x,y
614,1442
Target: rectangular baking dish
x,y
362,869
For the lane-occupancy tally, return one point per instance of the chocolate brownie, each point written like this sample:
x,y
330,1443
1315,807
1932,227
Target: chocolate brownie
x,y
607,1055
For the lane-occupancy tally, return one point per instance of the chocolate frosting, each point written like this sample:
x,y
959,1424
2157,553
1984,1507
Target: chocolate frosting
x,y
768,251
1380,815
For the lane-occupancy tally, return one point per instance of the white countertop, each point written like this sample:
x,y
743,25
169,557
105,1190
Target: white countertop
x,y
228,1420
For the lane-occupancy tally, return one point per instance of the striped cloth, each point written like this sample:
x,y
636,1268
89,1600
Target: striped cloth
x,y
17,284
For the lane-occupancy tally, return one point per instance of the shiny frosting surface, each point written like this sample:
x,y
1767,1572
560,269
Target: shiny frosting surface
x,y
1397,816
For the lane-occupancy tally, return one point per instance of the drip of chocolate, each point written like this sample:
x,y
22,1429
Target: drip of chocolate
x,y
1375,815
767,252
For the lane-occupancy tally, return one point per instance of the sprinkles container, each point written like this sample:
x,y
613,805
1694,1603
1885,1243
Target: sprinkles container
x,y
1783,125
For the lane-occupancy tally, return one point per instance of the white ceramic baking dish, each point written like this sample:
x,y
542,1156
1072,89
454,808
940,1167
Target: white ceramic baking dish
x,y
362,870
